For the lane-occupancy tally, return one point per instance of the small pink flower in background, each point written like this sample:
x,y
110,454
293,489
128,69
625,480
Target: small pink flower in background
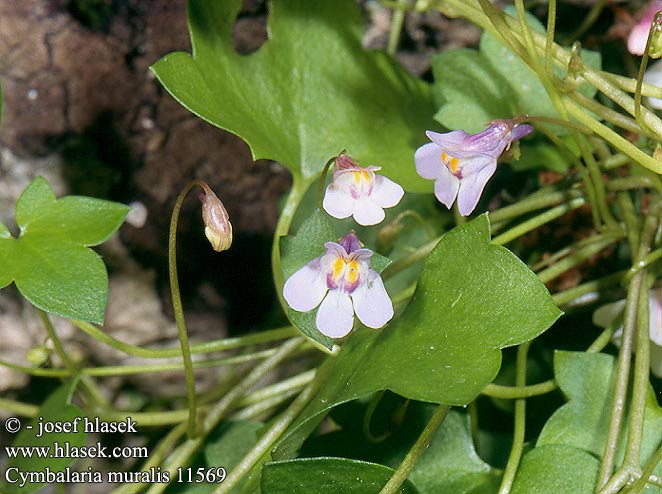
x,y
357,191
342,284
461,163
639,34
605,315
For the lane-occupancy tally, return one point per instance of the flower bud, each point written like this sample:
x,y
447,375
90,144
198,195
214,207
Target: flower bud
x,y
218,228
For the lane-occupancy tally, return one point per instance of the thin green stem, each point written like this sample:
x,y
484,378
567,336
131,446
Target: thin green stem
x,y
520,423
639,485
623,367
18,408
590,289
537,221
549,41
574,259
88,384
184,452
179,311
268,439
519,392
207,347
397,20
295,196
532,203
416,451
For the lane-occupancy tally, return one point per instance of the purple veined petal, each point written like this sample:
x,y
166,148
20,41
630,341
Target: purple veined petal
x,y
367,212
446,187
474,164
335,317
337,202
305,289
428,161
372,304
520,131
471,188
386,193
454,139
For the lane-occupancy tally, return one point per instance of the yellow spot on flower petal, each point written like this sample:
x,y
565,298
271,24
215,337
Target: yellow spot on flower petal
x,y
451,162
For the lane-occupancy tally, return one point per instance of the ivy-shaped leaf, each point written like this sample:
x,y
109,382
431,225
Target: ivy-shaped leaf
x,y
451,464
308,92
56,408
587,379
327,476
472,299
306,245
556,469
50,261
475,87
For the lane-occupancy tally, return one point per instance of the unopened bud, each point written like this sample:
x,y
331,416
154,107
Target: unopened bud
x,y
218,228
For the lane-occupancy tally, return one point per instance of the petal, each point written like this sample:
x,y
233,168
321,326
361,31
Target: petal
x,y
451,140
603,316
305,289
428,161
386,193
655,315
367,212
335,317
446,187
372,304
520,131
471,187
337,202
653,75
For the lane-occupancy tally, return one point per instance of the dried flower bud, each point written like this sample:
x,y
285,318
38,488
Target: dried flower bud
x,y
218,228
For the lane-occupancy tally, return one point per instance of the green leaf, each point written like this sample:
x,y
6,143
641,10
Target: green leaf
x,y
50,262
306,245
307,93
472,299
230,443
477,87
451,464
327,476
56,408
474,92
556,469
587,379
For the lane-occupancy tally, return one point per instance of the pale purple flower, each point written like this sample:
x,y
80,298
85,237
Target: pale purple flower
x,y
357,191
639,33
342,284
606,314
461,163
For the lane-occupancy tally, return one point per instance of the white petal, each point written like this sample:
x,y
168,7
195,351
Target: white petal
x,y
604,315
446,187
655,315
454,139
372,304
386,192
471,188
305,289
428,161
337,202
367,212
335,317
653,76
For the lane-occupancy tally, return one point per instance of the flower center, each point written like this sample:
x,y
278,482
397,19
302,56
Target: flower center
x,y
362,184
452,163
344,274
